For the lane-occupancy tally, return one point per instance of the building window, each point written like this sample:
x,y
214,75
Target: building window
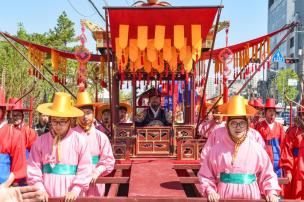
x,y
291,42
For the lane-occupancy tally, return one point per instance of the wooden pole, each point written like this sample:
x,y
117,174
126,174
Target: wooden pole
x,y
208,68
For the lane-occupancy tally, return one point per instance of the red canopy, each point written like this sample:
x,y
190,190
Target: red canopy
x,y
166,16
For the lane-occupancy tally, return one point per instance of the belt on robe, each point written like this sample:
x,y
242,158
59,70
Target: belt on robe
x,y
237,178
95,160
60,169
5,167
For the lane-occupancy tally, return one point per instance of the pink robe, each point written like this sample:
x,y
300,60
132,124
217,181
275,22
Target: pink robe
x,y
251,159
217,136
99,146
207,127
74,150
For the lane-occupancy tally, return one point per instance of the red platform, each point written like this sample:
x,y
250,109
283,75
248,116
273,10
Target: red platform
x,y
155,178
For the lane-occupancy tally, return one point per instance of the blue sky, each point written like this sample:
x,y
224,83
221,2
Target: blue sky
x,y
248,18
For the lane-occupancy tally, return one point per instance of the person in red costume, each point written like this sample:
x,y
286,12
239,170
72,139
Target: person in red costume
x,y
28,134
292,159
258,105
272,133
12,150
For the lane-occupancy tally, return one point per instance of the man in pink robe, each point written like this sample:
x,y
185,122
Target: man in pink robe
x,y
237,167
60,162
100,146
207,127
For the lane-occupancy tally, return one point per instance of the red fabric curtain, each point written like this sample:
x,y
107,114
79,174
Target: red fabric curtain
x,y
166,16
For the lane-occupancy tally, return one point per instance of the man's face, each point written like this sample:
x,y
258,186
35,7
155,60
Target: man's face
x,y
17,117
270,115
43,119
106,117
155,101
88,116
122,114
60,126
237,127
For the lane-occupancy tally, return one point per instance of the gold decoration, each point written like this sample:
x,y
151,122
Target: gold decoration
x,y
159,39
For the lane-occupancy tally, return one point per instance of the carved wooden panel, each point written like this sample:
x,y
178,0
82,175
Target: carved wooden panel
x,y
153,140
185,132
189,149
123,143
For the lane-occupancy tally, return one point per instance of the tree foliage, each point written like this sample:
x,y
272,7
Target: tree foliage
x,y
15,69
282,83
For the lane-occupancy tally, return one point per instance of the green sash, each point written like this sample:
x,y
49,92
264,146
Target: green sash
x,y
60,169
237,178
95,160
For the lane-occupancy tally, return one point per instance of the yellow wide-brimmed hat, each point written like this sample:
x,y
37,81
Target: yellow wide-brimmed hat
x,y
127,106
236,107
60,107
102,107
84,99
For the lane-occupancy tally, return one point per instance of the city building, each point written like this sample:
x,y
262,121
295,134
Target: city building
x,y
280,13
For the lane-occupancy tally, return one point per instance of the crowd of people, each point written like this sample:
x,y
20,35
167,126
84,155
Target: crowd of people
x,y
246,150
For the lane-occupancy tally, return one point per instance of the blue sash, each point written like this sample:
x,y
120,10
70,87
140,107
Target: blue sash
x,y
5,167
295,152
27,154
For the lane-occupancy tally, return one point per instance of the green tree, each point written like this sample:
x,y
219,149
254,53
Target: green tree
x,y
17,80
63,33
282,83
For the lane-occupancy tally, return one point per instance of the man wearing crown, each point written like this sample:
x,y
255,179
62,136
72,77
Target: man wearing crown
x,y
17,112
273,134
60,162
237,167
12,150
100,147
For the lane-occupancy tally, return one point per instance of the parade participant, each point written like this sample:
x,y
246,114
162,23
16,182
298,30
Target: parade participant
x,y
60,161
104,119
124,110
237,167
207,127
272,133
154,115
215,137
28,134
100,147
12,150
43,124
258,105
292,158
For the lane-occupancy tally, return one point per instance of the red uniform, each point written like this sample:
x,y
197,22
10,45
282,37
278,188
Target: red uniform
x,y
292,161
29,136
273,142
11,145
